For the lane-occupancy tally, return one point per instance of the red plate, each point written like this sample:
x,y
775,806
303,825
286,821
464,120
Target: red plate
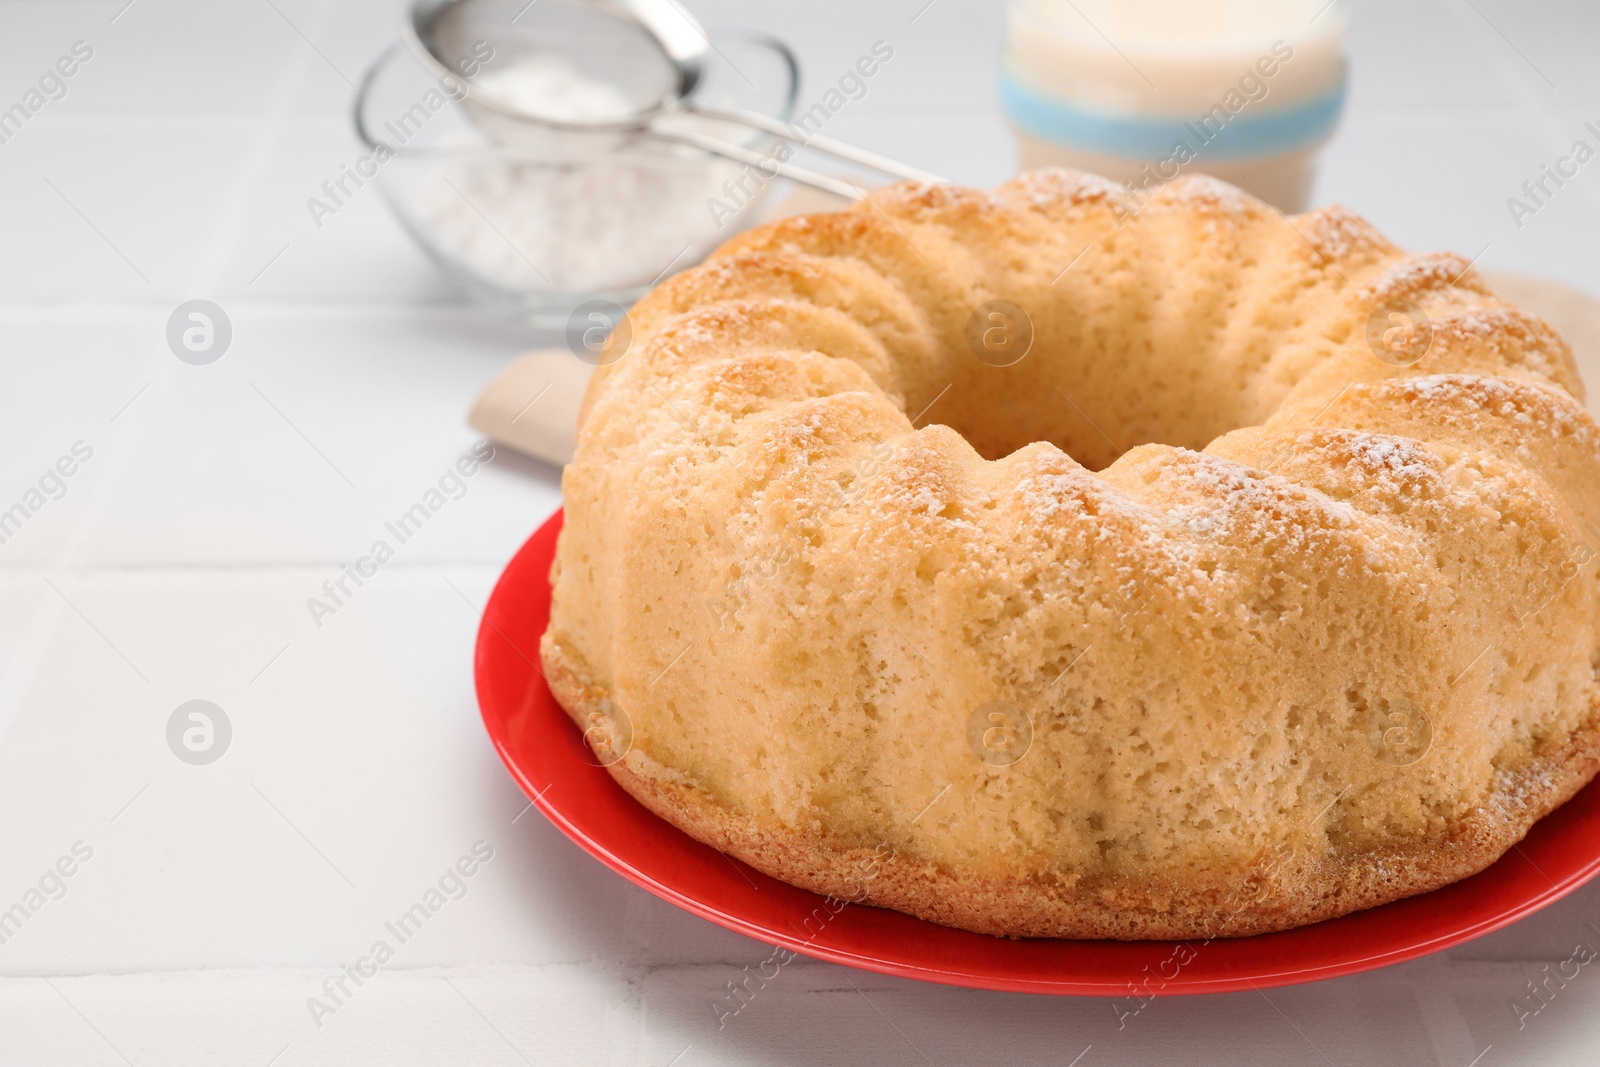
x,y
546,754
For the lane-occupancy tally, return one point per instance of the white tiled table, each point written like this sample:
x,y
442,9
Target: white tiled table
x,y
218,498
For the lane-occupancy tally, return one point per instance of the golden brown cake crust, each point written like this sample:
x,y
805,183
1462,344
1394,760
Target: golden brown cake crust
x,y
1332,644
1270,899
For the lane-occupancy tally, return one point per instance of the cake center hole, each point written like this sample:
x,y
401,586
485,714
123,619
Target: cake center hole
x,y
1062,376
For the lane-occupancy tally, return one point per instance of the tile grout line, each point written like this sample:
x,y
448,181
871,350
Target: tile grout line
x,y
125,438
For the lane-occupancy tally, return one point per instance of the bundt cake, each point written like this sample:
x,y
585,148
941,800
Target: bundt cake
x,y
1048,564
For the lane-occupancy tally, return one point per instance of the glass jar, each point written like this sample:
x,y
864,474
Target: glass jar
x,y
1141,91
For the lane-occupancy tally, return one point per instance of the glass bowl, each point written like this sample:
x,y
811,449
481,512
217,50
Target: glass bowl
x,y
532,230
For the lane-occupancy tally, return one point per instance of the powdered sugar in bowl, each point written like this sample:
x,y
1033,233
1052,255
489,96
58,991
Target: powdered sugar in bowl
x,y
536,226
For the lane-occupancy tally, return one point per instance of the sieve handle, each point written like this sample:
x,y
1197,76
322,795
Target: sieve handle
x,y
741,154
826,145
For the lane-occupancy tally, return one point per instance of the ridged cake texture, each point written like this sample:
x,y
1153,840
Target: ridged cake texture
x,y
1208,616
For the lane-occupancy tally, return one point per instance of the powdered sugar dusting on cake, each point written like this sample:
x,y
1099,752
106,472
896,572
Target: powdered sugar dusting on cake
x,y
1508,398
1479,390
1214,504
1343,236
1420,274
1205,193
1396,466
929,197
1058,186
1499,324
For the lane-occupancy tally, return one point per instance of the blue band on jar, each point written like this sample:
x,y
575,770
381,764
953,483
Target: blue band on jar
x,y
1245,134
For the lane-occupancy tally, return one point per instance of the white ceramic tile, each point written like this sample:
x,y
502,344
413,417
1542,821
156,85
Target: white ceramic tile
x,y
1421,1014
944,53
1445,186
357,772
194,58
245,460
358,254
68,375
316,428
348,36
1547,46
112,214
974,149
1418,55
178,564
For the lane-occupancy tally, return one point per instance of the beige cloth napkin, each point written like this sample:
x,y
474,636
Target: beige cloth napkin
x,y
532,406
